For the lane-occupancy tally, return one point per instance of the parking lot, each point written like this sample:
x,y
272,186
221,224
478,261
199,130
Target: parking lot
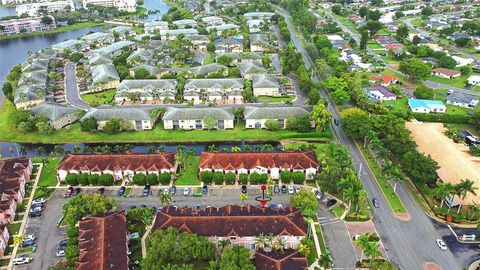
x,y
48,235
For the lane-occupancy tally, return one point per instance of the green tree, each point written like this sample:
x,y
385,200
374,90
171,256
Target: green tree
x,y
427,11
152,179
113,126
442,191
71,179
165,198
139,179
402,32
447,62
84,205
466,187
46,20
419,168
415,69
322,116
209,122
88,125
272,124
225,60
424,92
363,40
306,202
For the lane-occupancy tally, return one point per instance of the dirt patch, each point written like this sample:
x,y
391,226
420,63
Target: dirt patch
x,y
454,159
432,266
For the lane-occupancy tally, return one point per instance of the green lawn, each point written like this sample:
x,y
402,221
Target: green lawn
x,y
56,30
459,82
99,98
400,106
14,228
417,22
274,99
387,189
209,59
48,177
158,134
338,210
189,175
389,59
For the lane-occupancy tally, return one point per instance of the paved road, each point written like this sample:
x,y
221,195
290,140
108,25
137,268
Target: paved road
x,y
408,244
428,83
72,95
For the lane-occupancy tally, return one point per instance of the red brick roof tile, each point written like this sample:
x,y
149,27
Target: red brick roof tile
x,y
288,260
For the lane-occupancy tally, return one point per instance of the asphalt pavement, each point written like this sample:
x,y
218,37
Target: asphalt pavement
x,y
409,244
72,95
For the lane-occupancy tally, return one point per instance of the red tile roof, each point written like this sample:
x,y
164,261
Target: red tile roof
x,y
385,78
251,160
133,162
102,242
11,170
287,260
393,46
232,220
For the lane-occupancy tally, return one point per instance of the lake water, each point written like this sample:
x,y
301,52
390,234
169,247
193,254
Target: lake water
x,y
7,11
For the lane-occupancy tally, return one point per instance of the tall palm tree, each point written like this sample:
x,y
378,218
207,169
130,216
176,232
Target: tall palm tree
x,y
325,260
362,243
269,239
397,177
369,136
349,195
243,198
467,186
383,153
387,168
165,198
362,197
372,253
147,216
304,249
442,191
261,242
17,239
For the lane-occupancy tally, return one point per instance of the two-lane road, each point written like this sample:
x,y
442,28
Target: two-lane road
x,y
72,95
409,244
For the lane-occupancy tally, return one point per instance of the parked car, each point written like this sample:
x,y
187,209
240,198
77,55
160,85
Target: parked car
x,y
36,209
317,193
204,190
146,190
62,244
450,91
61,252
28,242
441,244
244,189
336,121
290,189
276,189
69,192
173,190
375,203
121,191
21,260
101,191
331,202
273,206
284,189
186,191
34,214
279,206
37,205
297,189
76,191
39,200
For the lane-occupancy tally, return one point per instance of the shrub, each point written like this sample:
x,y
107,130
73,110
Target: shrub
x,y
298,177
254,178
272,124
72,232
139,179
93,179
286,176
218,178
243,178
105,179
444,118
152,179
206,177
165,178
263,178
83,179
71,179
230,178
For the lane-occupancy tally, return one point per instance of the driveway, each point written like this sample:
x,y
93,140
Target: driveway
x,y
72,95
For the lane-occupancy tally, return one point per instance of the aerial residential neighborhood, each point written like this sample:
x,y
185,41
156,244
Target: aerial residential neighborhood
x,y
239,135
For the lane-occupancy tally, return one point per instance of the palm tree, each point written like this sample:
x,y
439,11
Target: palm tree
x,y
17,239
371,135
76,149
442,191
165,198
466,186
243,198
362,242
304,249
362,197
383,153
261,242
397,177
325,260
147,216
223,244
349,195
371,252
279,245
387,168
472,209
40,151
269,238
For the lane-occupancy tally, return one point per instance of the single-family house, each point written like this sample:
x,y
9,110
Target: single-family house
x,y
199,42
461,62
462,100
249,68
144,90
196,118
212,20
446,73
426,106
155,27
187,23
266,85
271,163
474,80
223,45
58,115
379,93
384,79
173,33
98,39
256,116
222,27
260,43
118,165
214,90
137,118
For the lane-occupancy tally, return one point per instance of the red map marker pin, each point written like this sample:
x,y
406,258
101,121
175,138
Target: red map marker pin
x,y
263,203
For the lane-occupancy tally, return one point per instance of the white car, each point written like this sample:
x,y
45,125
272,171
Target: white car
x,y
297,189
29,237
38,201
290,189
279,206
186,191
21,260
36,209
441,244
166,191
450,91
61,253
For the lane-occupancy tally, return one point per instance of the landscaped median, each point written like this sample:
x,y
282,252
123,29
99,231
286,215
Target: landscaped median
x,y
392,197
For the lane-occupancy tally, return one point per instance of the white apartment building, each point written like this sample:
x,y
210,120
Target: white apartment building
x,y
125,5
26,25
33,9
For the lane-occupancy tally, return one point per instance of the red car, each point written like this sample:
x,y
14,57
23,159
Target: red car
x,y
69,192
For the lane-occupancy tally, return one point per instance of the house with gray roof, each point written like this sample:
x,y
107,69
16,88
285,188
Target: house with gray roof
x,y
98,39
36,79
146,90
260,43
255,117
58,115
122,31
141,57
155,26
28,96
35,65
104,77
258,15
187,23
254,25
222,27
195,118
71,44
117,48
199,42
173,33
247,69
462,100
239,57
214,90
205,70
266,85
212,20
96,59
223,45
139,119
152,70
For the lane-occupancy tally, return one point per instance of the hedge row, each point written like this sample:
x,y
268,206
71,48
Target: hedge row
x,y
437,117
219,178
107,179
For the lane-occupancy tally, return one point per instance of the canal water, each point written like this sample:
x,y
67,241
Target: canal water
x,y
15,149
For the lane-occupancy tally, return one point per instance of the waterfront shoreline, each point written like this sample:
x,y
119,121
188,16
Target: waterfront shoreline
x,y
60,29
